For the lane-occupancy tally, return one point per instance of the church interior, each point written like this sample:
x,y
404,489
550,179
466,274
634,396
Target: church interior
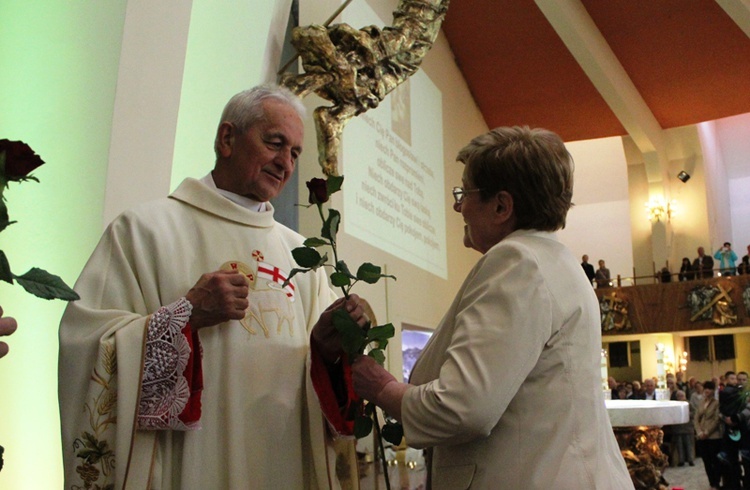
x,y
121,99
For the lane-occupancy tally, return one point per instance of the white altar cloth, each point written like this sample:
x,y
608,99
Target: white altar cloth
x,y
632,413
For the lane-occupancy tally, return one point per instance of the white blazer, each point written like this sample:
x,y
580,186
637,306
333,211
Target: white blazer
x,y
507,391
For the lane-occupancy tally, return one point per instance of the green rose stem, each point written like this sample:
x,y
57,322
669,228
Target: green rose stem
x,y
354,340
379,438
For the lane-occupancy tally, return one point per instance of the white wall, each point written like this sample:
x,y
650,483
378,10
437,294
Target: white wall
x,y
599,223
717,186
739,194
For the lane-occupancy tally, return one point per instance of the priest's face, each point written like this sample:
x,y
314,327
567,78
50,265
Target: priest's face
x,y
261,160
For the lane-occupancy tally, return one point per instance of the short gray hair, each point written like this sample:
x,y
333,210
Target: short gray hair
x,y
246,108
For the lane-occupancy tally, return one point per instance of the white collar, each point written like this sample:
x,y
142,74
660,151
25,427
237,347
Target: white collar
x,y
245,202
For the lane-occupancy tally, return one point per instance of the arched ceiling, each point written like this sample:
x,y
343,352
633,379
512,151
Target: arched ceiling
x,y
596,68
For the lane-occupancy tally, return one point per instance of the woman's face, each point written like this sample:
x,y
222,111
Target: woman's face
x,y
481,231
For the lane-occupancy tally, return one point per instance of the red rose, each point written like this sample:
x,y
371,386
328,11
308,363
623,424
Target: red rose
x,y
318,191
20,159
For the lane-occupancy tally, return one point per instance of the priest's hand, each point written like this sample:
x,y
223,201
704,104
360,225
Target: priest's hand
x,y
325,335
7,326
218,297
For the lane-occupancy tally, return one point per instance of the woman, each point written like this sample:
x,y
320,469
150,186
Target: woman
x,y
708,433
523,329
686,270
696,396
602,277
726,257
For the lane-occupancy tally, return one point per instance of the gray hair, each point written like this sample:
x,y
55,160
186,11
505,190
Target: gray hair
x,y
246,108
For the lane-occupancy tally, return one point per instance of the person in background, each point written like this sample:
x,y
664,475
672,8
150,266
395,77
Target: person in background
x,y
628,389
637,391
686,270
588,268
703,265
649,389
727,258
683,435
613,387
729,408
671,386
602,276
691,385
8,325
664,275
681,383
524,327
708,434
622,392
744,267
743,423
696,396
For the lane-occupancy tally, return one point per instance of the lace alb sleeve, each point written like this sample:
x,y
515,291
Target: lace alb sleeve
x,y
165,391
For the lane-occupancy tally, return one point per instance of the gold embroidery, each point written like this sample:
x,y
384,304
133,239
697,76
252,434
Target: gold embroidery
x,y
93,448
269,308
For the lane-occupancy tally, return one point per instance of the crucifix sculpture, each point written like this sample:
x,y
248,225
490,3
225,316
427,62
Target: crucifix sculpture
x,y
356,68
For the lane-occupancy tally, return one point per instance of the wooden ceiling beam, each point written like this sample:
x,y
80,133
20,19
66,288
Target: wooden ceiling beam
x,y
739,11
585,42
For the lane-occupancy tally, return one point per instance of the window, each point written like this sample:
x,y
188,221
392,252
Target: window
x,y
618,354
723,347
708,348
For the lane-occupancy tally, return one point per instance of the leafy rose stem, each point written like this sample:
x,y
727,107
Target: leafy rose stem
x,y
354,340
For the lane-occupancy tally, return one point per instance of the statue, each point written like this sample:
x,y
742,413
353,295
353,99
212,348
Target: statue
x,y
356,68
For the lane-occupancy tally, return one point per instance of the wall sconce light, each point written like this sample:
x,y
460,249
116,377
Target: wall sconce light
x,y
683,176
658,209
684,361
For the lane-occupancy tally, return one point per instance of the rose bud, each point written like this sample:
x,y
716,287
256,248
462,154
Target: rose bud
x,y
318,191
20,159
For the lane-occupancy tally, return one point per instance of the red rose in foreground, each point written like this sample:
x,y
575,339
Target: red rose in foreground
x,y
318,191
20,159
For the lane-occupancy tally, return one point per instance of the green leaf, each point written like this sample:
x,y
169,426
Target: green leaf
x,y
293,273
362,426
381,333
369,409
370,273
331,225
5,273
307,257
339,279
352,337
342,267
393,433
45,285
334,183
378,355
4,220
315,242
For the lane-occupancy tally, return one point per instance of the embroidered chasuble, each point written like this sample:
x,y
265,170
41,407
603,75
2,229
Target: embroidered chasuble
x,y
141,407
